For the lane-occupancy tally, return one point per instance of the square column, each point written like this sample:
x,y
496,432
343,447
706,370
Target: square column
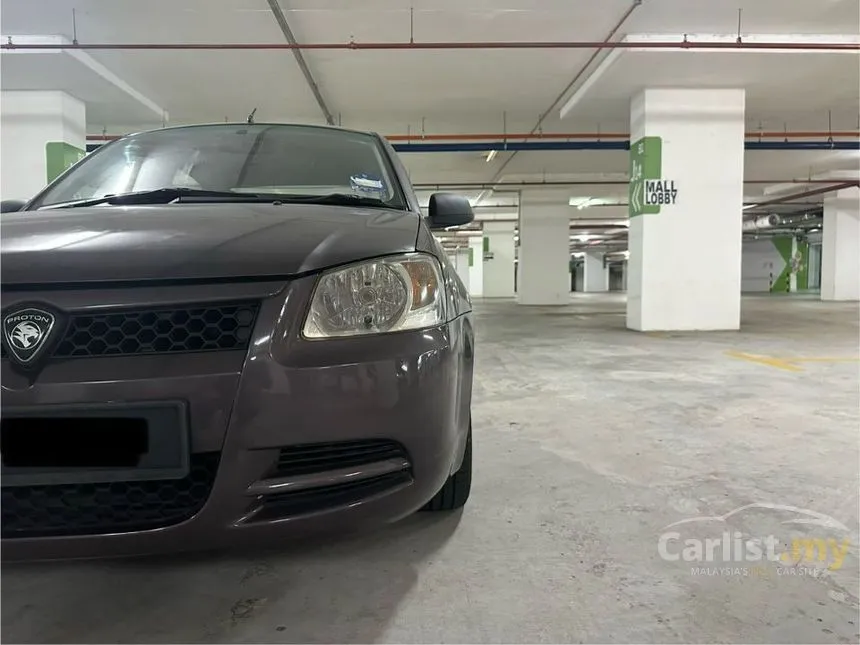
x,y
596,274
43,134
686,200
840,260
476,266
544,254
499,250
461,263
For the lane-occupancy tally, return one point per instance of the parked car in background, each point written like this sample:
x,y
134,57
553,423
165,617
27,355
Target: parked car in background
x,y
231,332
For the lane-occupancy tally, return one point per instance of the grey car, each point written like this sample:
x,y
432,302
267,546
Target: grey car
x,y
224,334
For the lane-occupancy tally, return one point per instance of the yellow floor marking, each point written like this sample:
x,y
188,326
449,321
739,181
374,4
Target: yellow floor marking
x,y
765,360
788,364
818,359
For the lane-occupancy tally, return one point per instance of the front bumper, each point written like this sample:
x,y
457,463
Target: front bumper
x,y
247,410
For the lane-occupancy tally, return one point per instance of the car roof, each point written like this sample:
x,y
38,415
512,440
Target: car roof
x,y
233,124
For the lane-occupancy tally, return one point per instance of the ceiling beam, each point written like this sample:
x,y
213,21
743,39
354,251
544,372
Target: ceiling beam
x,y
608,39
647,41
58,44
281,19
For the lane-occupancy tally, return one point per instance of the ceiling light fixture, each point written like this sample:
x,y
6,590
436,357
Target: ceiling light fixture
x,y
582,202
492,155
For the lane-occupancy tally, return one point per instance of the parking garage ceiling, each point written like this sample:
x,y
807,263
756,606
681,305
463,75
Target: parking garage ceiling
x,y
460,93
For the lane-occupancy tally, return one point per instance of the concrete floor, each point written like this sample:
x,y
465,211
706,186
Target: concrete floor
x,y
589,440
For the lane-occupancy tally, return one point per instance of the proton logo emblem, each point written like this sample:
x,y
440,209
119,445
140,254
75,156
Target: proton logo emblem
x,y
26,331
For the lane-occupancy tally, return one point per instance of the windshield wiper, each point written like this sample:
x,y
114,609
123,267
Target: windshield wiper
x,y
337,199
164,196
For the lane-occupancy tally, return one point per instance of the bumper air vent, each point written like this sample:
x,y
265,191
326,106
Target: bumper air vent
x,y
325,497
320,457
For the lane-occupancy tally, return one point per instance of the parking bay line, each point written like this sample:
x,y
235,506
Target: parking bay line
x,y
788,364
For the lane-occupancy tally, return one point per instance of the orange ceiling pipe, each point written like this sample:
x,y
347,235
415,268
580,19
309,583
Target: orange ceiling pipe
x,y
423,46
841,134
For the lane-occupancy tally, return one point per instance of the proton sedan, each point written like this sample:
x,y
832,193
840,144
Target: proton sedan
x,y
222,333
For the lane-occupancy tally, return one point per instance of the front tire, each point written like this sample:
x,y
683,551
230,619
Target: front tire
x,y
455,492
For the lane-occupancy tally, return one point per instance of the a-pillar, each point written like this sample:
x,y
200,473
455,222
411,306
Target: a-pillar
x,y
543,276
686,200
476,266
44,132
596,273
499,263
840,241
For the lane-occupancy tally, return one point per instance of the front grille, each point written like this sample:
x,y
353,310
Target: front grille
x,y
325,497
202,328
109,507
320,457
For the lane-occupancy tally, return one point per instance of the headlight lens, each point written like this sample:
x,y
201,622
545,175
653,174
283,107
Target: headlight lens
x,y
386,295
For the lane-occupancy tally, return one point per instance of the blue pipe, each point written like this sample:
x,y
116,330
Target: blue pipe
x,y
525,146
512,146
802,145
516,146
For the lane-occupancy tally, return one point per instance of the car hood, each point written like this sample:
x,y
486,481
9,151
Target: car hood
x,y
182,241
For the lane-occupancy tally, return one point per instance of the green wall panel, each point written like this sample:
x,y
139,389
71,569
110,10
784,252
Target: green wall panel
x,y
783,245
803,269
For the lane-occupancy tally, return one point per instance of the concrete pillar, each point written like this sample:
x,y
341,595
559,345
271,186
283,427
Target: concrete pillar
x,y
499,265
43,134
840,246
476,268
686,200
578,278
596,274
461,262
544,254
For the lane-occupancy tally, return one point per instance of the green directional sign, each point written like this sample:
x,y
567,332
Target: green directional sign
x,y
59,156
648,189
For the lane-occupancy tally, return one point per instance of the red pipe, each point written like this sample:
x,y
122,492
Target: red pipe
x,y
717,45
808,193
563,135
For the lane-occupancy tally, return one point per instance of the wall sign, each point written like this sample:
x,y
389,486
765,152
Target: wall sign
x,y
59,157
659,192
648,190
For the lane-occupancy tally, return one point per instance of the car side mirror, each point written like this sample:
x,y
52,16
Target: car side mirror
x,y
11,205
446,210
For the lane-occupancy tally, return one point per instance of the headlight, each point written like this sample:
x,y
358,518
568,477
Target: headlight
x,y
375,297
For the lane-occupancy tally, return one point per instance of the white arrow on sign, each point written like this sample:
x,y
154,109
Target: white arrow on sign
x,y
636,190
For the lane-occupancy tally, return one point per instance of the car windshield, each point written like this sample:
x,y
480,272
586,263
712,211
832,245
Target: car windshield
x,y
259,159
